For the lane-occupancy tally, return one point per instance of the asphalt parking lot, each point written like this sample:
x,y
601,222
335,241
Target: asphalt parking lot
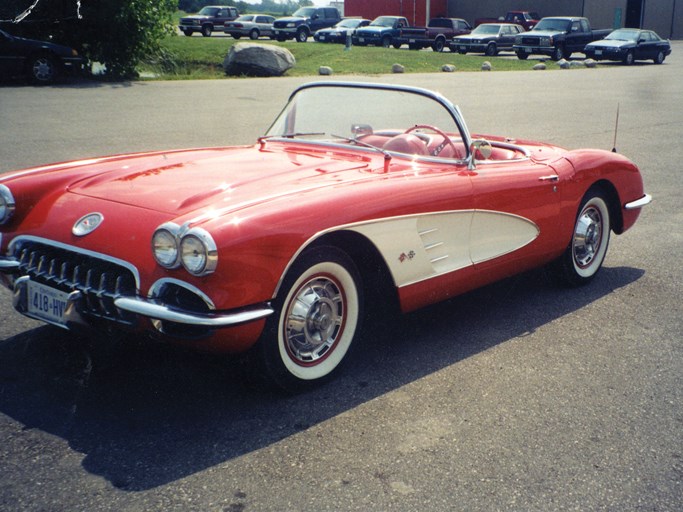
x,y
520,396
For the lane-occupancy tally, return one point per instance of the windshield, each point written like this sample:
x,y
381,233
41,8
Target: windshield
x,y
383,21
305,12
553,24
623,35
209,11
374,116
348,24
486,29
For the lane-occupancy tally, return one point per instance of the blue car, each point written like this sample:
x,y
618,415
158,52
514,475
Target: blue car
x,y
381,32
628,45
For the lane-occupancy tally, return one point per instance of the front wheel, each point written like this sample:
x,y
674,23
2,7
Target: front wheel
x,y
386,41
558,53
206,30
317,319
491,50
628,58
302,35
586,252
43,69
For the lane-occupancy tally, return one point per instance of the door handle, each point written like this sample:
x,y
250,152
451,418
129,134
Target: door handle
x,y
552,177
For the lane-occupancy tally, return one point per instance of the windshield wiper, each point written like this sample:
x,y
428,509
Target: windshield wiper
x,y
364,144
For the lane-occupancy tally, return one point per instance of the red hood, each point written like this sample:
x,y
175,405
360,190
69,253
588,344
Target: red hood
x,y
182,181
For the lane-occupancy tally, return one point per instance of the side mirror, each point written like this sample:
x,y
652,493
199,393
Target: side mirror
x,y
481,148
361,130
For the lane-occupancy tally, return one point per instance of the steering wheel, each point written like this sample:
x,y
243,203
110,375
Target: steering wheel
x,y
446,139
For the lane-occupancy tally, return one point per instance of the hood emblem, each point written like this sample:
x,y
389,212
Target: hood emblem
x,y
87,224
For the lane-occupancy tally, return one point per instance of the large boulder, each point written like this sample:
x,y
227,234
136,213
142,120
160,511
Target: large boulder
x,y
255,59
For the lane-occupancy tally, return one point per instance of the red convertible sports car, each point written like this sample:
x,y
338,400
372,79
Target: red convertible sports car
x,y
277,250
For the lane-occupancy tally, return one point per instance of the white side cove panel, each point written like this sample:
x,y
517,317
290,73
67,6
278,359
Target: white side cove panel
x,y
495,234
420,247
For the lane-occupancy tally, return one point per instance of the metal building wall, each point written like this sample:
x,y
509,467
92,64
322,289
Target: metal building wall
x,y
663,16
414,10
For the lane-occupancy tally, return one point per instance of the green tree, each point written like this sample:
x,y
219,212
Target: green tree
x,y
121,33
117,33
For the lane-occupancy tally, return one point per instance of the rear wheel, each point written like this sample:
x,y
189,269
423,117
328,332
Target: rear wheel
x,y
586,252
522,56
317,319
253,34
188,33
438,45
659,58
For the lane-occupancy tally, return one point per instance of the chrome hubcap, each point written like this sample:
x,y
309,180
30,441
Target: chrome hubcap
x,y
587,237
42,69
314,320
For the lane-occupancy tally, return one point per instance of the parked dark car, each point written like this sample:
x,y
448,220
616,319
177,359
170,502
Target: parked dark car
x,y
381,31
557,37
339,33
208,19
629,45
489,38
40,61
252,25
304,22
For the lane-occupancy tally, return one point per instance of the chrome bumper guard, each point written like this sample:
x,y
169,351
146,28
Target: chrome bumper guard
x,y
639,203
156,311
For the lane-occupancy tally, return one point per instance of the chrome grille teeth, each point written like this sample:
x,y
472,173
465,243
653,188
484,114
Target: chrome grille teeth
x,y
99,281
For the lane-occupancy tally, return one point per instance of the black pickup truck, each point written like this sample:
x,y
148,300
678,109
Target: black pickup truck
x,y
557,37
437,34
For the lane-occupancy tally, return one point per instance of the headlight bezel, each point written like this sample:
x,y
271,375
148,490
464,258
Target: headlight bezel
x,y
207,251
194,249
171,230
7,204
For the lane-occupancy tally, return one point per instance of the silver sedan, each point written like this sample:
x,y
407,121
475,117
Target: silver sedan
x,y
252,25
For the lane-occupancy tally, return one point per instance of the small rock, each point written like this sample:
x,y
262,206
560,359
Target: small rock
x,y
563,64
590,63
540,66
325,70
486,66
448,68
398,68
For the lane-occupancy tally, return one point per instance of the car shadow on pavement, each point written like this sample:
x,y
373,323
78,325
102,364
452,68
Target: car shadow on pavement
x,y
144,415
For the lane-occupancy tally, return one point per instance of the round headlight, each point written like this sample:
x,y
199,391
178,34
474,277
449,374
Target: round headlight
x,y
7,204
165,246
198,252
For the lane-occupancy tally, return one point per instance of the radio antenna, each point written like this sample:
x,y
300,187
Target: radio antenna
x,y
616,129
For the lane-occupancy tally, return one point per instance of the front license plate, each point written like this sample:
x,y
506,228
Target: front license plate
x,y
411,40
47,303
598,52
361,39
463,47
